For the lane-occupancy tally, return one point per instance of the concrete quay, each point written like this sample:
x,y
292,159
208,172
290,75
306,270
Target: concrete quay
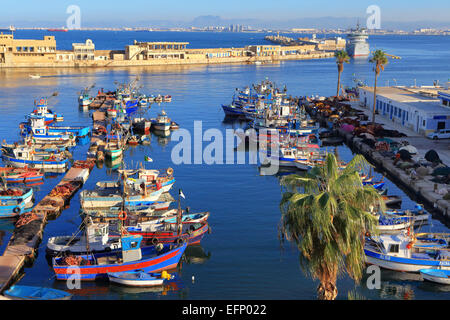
x,y
423,188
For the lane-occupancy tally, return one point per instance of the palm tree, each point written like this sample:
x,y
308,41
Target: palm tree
x,y
341,58
328,221
380,59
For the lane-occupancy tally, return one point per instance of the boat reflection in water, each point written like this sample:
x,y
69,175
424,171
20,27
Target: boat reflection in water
x,y
396,291
113,164
195,254
394,285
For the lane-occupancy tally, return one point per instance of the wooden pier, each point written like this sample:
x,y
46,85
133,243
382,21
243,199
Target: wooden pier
x,y
30,226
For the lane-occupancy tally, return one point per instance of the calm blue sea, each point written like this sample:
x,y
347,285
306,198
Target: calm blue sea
x,y
242,257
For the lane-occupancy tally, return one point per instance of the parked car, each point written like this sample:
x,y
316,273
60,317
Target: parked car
x,y
440,134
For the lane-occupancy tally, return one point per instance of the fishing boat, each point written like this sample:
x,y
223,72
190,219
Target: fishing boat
x,y
287,155
167,98
133,141
131,106
143,102
77,131
169,233
388,223
162,122
132,257
153,178
108,194
19,194
41,110
12,208
419,215
407,252
113,149
37,128
85,99
95,239
159,208
392,201
35,76
145,140
174,126
139,278
141,125
188,218
20,175
436,275
19,292
21,157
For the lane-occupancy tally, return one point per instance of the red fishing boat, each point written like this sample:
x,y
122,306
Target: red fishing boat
x,y
20,175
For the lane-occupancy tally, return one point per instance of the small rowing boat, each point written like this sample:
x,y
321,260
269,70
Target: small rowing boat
x,y
436,275
139,278
18,292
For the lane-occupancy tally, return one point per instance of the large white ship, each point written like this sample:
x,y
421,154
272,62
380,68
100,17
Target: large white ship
x,y
357,45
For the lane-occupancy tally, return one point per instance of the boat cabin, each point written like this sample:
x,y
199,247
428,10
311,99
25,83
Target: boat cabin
x,y
131,248
394,245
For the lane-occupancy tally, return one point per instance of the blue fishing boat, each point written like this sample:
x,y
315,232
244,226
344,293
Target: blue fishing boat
x,y
11,208
21,157
42,133
131,106
20,194
131,257
436,275
419,215
407,252
41,111
19,292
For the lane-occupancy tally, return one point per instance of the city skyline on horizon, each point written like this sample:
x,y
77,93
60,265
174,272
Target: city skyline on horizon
x,y
199,13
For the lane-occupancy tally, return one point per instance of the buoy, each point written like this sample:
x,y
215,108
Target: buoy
x,y
193,279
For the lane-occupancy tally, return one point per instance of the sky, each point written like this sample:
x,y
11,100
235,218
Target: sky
x,y
112,12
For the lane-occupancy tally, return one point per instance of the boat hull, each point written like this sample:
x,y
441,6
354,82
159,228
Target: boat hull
x,y
165,261
403,264
436,275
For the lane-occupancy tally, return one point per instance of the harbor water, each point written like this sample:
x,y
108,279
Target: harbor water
x,y
242,257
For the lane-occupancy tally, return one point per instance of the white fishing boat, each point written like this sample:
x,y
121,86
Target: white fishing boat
x,y
95,238
162,122
387,223
24,156
35,76
108,194
407,252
